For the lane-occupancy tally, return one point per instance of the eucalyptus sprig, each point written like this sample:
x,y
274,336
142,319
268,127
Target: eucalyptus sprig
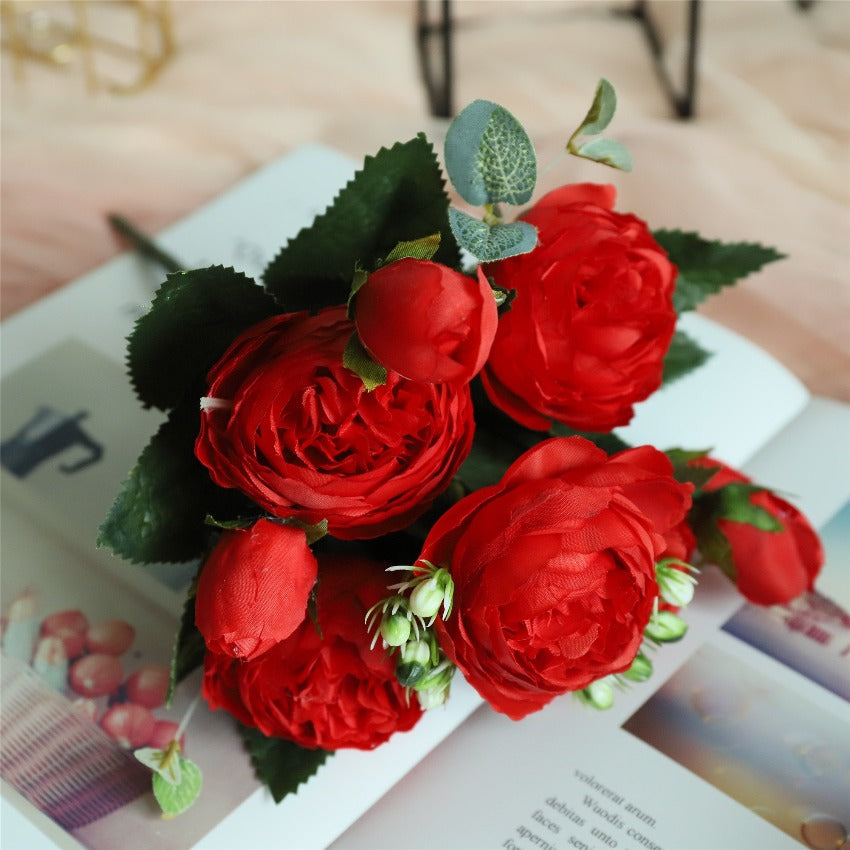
x,y
490,161
605,151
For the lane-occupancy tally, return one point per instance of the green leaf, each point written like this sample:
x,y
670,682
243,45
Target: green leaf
x,y
281,765
194,317
733,503
607,152
487,242
174,799
417,249
489,156
159,513
604,151
490,456
601,110
314,532
683,356
711,542
357,359
706,266
189,646
357,282
230,524
398,195
699,476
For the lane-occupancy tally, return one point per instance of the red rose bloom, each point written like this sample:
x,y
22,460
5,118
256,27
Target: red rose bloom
x,y
426,321
329,691
768,567
593,318
253,588
297,433
554,569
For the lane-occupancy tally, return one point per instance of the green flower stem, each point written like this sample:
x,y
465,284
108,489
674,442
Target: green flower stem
x,y
187,716
491,214
143,243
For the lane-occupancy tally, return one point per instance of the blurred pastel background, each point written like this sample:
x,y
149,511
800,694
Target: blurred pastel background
x,y
242,82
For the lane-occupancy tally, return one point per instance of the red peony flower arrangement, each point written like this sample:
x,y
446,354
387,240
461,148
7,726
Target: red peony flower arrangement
x,y
383,403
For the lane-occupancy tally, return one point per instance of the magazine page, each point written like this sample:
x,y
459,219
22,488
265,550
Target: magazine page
x,y
738,402
71,429
740,740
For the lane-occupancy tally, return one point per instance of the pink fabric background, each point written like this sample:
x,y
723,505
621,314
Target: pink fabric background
x,y
766,159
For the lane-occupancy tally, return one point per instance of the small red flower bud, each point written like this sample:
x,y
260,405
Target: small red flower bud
x,y
253,589
426,321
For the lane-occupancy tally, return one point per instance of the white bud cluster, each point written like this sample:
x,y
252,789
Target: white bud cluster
x,y
404,621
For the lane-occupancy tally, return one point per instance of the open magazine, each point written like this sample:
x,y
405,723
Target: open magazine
x,y
567,777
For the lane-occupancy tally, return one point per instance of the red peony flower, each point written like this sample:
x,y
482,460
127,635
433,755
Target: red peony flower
x,y
426,321
593,318
768,567
328,691
296,432
254,588
554,569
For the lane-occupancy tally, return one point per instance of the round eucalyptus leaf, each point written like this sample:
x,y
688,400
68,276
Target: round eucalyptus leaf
x,y
601,110
489,157
608,152
488,243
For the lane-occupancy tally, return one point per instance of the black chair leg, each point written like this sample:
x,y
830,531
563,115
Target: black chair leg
x,y
434,38
434,43
683,101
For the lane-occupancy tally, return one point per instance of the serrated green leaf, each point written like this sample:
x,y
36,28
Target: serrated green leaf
x,y
194,317
706,266
683,356
189,647
606,152
357,359
174,799
489,157
601,110
398,195
487,242
159,513
279,764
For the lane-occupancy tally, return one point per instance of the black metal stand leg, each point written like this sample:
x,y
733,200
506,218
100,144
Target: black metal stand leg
x,y
683,102
434,42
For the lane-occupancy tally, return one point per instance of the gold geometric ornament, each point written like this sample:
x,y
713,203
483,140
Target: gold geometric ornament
x,y
118,46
